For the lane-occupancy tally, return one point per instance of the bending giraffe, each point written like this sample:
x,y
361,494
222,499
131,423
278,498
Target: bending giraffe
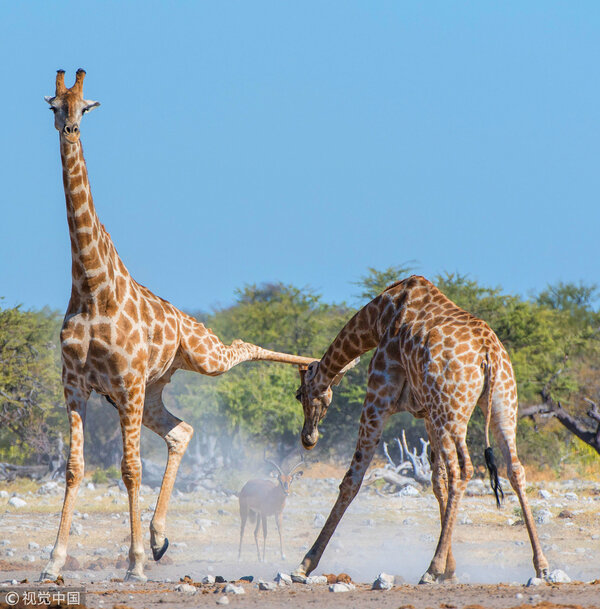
x,y
125,343
437,362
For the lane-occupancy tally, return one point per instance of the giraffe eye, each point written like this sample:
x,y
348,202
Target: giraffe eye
x,y
299,394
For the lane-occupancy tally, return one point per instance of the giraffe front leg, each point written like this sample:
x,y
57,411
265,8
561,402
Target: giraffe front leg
x,y
177,435
374,415
131,472
76,406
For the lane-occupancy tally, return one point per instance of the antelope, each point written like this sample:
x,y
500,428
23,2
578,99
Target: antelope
x,y
262,498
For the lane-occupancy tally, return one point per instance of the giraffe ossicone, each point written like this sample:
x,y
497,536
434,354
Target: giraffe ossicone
x,y
438,362
125,343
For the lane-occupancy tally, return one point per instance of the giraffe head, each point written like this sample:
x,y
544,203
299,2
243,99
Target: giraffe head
x,y
315,401
69,106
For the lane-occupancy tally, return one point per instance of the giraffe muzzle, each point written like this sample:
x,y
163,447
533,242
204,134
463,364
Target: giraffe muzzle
x,y
71,132
309,440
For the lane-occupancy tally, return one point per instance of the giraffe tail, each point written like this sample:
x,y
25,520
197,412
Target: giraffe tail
x,y
489,453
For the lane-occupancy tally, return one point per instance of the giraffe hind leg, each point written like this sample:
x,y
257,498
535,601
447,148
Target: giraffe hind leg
x,y
439,483
504,430
177,434
460,470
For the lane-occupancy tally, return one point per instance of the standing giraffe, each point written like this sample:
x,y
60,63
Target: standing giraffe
x,y
437,362
125,343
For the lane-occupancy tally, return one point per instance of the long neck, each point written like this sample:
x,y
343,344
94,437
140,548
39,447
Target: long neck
x,y
92,251
358,336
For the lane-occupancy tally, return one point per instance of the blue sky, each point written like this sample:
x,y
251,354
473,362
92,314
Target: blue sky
x,y
242,142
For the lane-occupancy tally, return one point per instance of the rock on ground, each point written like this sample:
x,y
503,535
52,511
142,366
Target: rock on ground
x,y
186,588
233,589
283,579
341,587
384,581
17,502
558,577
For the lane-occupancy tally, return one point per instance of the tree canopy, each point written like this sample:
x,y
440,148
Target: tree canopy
x,y
553,339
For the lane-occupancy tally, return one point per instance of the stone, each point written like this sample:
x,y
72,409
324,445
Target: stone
x,y
4,494
465,520
267,585
341,587
319,521
558,577
204,523
233,589
90,486
409,491
186,588
369,522
566,514
223,600
475,487
570,496
534,581
283,579
49,488
76,528
544,494
383,582
316,580
17,502
33,545
543,516
208,579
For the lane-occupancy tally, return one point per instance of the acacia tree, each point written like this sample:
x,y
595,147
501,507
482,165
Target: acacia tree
x,y
30,388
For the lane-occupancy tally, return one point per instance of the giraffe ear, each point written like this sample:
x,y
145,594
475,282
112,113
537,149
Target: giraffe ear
x,y
338,378
90,105
311,371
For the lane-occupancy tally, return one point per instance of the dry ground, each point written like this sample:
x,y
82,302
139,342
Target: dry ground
x,y
379,533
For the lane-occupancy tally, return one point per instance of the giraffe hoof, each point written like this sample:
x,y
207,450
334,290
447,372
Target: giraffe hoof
x,y
46,576
428,578
299,572
130,576
544,573
158,554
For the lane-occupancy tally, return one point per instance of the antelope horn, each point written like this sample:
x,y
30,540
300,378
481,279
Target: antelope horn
x,y
60,82
296,467
274,465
